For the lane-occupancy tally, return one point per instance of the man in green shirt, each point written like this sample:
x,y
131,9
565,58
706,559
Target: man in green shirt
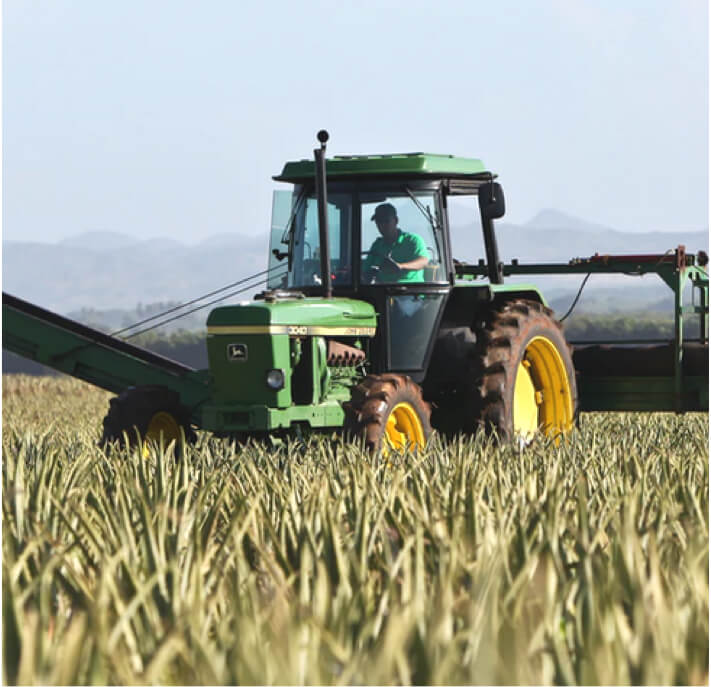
x,y
396,256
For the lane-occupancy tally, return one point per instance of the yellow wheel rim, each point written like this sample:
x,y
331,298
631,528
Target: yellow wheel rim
x,y
403,429
542,395
164,425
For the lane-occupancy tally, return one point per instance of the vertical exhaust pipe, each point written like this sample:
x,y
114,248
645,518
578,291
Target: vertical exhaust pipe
x,y
322,199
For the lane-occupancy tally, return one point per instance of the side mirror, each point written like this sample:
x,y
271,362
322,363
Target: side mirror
x,y
491,200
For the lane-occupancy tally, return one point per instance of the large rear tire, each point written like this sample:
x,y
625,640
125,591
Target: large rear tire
x,y
389,413
527,379
147,414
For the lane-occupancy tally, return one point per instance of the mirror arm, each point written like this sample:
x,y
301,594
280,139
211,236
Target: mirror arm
x,y
496,269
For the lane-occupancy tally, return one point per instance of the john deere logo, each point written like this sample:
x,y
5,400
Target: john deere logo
x,y
236,351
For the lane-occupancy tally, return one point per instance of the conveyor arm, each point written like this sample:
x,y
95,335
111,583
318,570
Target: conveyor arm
x,y
91,355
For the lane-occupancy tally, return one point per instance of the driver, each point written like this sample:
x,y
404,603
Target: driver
x,y
397,256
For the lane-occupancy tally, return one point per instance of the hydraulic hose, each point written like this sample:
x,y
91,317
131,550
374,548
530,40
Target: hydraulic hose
x,y
196,300
199,307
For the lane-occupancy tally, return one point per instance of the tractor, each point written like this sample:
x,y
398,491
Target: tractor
x,y
370,327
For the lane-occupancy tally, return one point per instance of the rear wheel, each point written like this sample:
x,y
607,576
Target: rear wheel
x,y
147,414
527,379
388,411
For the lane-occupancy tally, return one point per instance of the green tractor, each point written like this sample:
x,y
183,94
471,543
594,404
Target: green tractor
x,y
370,326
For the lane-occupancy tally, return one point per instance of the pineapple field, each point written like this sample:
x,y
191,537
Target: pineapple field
x,y
315,562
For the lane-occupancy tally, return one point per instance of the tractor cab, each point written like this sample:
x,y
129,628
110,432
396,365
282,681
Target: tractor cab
x,y
388,240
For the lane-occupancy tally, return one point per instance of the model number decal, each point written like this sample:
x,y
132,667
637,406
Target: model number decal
x,y
290,330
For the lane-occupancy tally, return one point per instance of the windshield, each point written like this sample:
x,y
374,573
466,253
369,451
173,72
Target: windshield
x,y
304,244
401,238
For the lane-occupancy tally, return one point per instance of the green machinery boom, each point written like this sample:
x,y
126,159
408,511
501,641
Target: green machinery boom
x,y
369,325
638,375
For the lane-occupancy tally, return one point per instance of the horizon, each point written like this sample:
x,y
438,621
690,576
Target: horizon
x,y
533,223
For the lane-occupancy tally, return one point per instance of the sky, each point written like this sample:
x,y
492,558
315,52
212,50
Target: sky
x,y
168,118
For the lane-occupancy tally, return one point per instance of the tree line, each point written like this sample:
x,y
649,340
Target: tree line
x,y
189,347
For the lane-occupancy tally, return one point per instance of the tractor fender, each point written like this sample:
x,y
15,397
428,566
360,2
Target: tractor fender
x,y
455,345
467,301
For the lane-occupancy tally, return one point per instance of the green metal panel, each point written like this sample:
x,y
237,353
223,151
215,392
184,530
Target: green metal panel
x,y
375,165
487,291
337,315
243,406
528,291
260,418
244,379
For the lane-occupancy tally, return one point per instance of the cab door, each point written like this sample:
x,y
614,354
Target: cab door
x,y
410,301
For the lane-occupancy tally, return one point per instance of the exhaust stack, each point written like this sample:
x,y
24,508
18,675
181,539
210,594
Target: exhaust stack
x,y
321,197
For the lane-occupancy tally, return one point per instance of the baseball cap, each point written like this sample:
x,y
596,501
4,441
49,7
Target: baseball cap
x,y
384,210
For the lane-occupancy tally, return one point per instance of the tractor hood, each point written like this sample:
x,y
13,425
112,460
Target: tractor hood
x,y
295,317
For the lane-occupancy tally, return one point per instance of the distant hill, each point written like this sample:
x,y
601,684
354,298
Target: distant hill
x,y
553,236
70,275
549,218
99,241
108,271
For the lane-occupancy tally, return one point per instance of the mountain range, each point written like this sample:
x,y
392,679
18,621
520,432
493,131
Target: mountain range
x,y
108,270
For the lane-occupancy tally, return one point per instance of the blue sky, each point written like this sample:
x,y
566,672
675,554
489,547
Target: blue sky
x,y
168,118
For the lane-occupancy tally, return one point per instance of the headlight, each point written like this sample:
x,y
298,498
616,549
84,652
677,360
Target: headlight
x,y
275,379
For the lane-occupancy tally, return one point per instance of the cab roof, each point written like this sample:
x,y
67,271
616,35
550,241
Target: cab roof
x,y
409,164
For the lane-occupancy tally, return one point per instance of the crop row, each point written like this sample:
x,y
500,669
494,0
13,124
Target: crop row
x,y
314,562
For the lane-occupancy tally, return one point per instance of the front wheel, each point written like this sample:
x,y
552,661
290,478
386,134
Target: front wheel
x,y
389,413
527,375
149,414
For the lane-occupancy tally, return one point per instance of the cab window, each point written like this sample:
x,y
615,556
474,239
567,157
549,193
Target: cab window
x,y
401,240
